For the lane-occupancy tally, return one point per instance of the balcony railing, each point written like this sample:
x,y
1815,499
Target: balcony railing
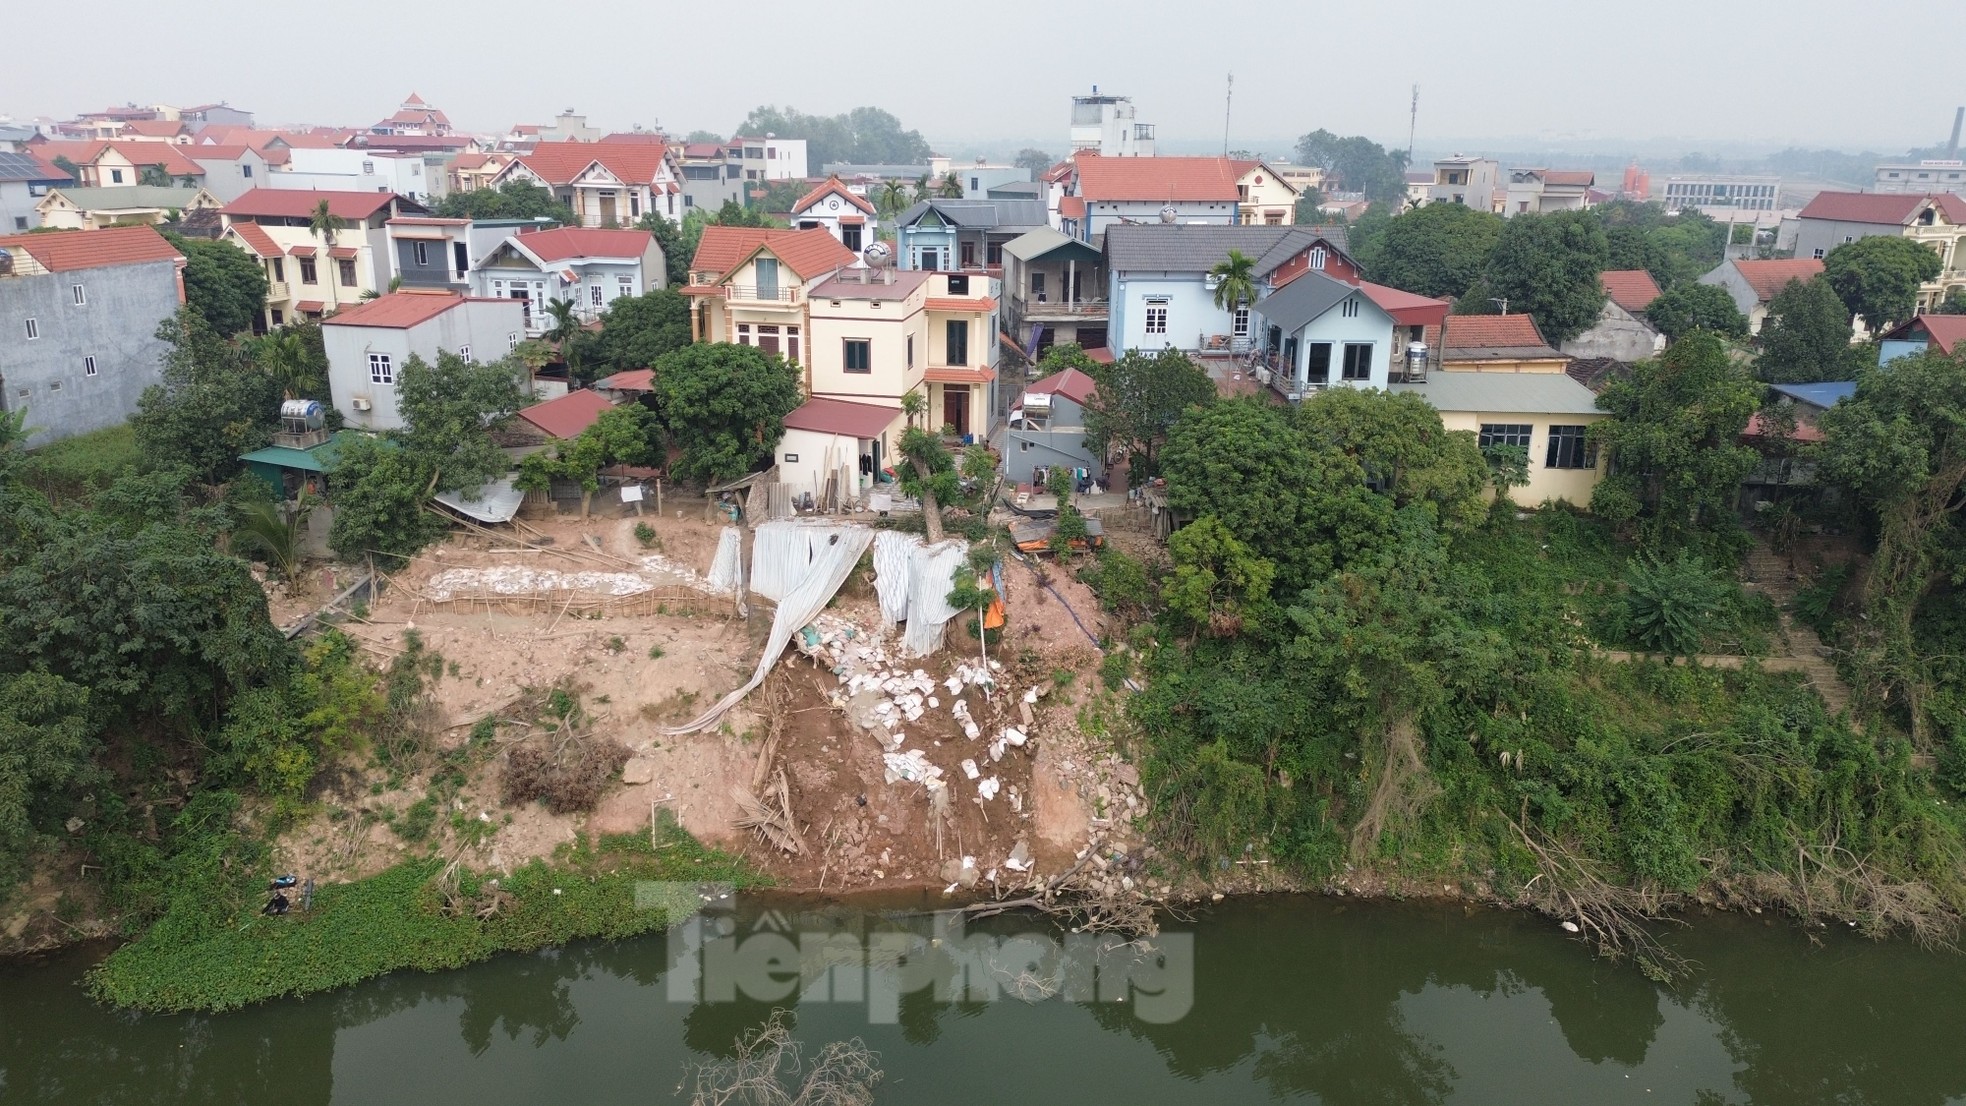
x,y
750,293
1058,309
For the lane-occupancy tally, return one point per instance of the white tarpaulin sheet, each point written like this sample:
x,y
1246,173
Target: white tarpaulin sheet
x,y
834,556
783,553
728,562
913,581
497,501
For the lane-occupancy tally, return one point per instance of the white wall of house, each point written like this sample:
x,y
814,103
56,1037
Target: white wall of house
x,y
1190,307
1618,334
1104,213
230,178
344,170
1369,326
487,330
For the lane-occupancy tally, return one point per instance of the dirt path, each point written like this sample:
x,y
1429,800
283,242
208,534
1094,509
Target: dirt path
x,y
1775,576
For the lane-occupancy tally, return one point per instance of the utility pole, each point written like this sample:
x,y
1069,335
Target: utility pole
x,y
1228,104
1412,124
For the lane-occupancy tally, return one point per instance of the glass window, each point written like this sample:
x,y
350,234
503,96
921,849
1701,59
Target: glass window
x,y
381,371
345,269
307,270
1358,361
1569,449
859,355
1242,322
1504,433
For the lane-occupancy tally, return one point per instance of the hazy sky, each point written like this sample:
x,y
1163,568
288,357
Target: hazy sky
x,y
1882,75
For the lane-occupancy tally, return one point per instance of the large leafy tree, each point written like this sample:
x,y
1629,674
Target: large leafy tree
x,y
724,407
1548,266
222,283
1036,160
1806,336
46,743
865,135
1899,447
1878,277
213,404
1138,400
1682,309
1356,164
449,410
296,359
1436,250
638,330
1675,249
515,199
675,252
1674,430
1400,444
380,502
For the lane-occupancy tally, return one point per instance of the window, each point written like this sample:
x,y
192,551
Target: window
x,y
89,365
594,295
791,343
368,168
279,271
743,334
1504,433
512,341
347,271
1317,257
993,254
380,369
116,176
278,317
635,204
624,285
1349,309
76,291
975,184
1037,287
959,286
1319,369
911,351
859,354
1242,322
1358,360
1569,449
33,330
768,337
246,171
464,354
307,270
54,386
1157,315
850,238
956,342
20,222
968,255
422,254
1817,254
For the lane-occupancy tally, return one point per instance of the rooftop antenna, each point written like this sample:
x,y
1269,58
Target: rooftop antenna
x,y
1228,102
1412,124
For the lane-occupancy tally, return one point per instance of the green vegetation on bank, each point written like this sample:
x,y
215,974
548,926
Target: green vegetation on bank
x,y
213,950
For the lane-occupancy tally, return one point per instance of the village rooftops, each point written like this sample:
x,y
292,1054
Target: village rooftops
x,y
1947,332
842,417
569,243
1199,247
1032,245
1632,289
566,416
300,203
1073,384
73,250
1769,277
27,167
402,310
979,214
807,253
867,284
1158,179
132,197
562,163
833,187
1527,393
1884,208
1494,338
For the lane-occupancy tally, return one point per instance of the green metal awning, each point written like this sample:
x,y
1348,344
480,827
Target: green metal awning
x,y
320,458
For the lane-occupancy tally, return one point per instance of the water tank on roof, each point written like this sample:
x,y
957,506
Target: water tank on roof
x,y
1168,214
877,256
307,413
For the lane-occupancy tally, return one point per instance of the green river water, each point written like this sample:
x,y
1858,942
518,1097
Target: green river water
x,y
1289,1000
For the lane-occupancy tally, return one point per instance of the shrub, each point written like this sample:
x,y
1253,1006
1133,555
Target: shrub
x,y
645,534
567,781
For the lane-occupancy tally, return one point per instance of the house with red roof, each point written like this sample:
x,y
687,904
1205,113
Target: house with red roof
x,y
1121,190
1541,191
414,117
844,215
311,274
1621,331
753,286
104,164
81,310
369,343
588,266
1945,333
1753,283
606,183
833,448
1936,221
1263,196
1046,431
25,179
1498,344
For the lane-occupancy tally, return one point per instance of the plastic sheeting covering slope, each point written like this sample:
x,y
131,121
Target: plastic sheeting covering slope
x,y
913,581
728,563
833,560
782,553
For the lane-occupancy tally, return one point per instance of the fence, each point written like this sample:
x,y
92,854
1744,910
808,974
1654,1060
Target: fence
x,y
662,600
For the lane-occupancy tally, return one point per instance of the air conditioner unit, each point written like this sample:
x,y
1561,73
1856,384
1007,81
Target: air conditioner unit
x,y
360,404
1211,282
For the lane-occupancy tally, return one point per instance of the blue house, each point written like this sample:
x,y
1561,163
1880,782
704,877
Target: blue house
x,y
1162,294
956,235
1947,332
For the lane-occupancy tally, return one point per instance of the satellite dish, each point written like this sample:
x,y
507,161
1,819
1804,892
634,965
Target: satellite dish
x,y
1168,214
877,256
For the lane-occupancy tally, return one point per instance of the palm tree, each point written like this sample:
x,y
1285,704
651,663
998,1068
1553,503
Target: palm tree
x,y
1235,281
894,196
924,190
325,223
565,330
154,176
283,355
275,534
952,187
395,285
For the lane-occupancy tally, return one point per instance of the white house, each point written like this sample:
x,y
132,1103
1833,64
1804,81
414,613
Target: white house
x,y
835,446
368,344
1322,332
844,215
1120,190
770,157
590,267
358,170
606,183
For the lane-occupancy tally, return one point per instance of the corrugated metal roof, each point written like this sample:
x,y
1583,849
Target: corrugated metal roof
x,y
28,167
1505,393
1819,395
1304,299
980,214
1034,244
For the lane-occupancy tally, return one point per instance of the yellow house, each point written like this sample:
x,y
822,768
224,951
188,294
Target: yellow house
x,y
878,335
753,287
1497,344
130,205
1263,196
1545,414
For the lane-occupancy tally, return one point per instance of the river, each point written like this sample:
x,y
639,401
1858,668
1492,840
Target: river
x,y
1287,1000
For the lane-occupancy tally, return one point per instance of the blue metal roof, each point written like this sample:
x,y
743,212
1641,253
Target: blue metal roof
x,y
1819,395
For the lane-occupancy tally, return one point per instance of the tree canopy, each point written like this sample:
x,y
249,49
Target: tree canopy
x,y
1139,398
1675,249
1684,308
212,405
1878,278
222,283
1548,267
1036,160
515,199
1673,434
1437,250
863,136
638,330
724,407
1806,336
1356,164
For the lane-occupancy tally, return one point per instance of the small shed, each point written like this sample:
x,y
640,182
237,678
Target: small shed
x,y
566,416
288,470
1047,431
834,449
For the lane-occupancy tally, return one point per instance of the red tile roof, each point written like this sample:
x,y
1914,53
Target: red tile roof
x,y
401,310
562,243
807,253
1631,289
1491,331
1802,432
960,303
1948,332
72,250
632,380
1158,179
559,163
1071,207
644,138
257,240
1893,209
155,128
305,249
167,155
1574,178
1406,308
344,253
843,417
310,307
568,415
1072,384
1770,277
832,187
957,374
299,203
